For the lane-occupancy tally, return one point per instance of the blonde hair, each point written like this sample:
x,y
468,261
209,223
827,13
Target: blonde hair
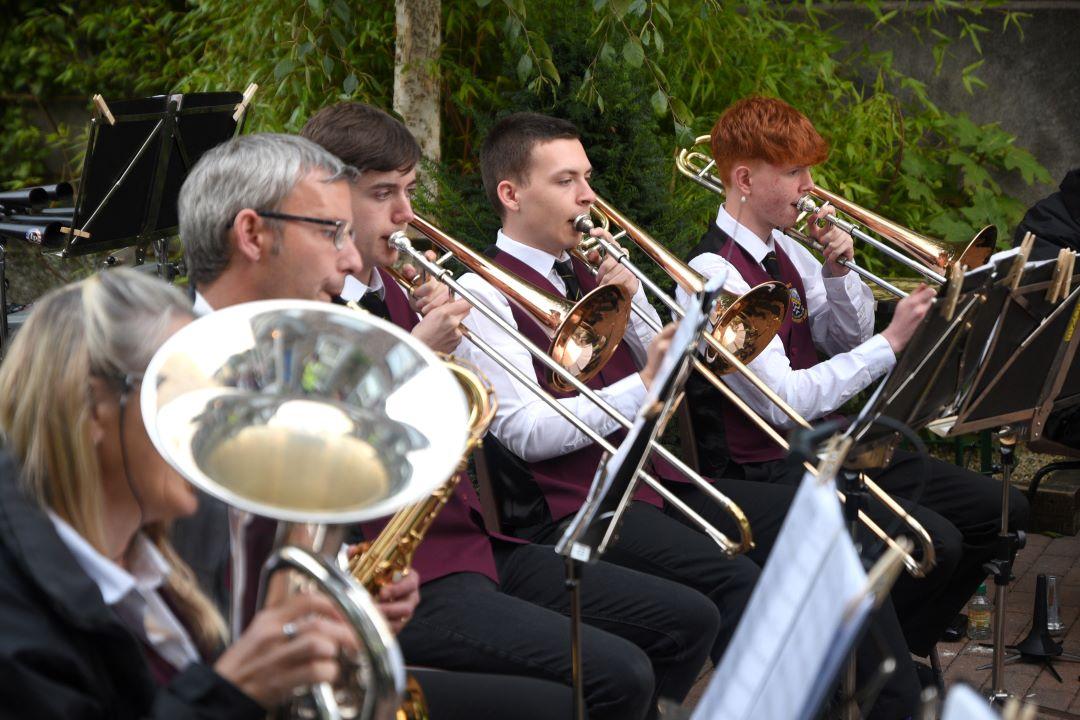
x,y
107,326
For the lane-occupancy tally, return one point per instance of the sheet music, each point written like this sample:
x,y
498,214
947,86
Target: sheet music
x,y
963,703
803,616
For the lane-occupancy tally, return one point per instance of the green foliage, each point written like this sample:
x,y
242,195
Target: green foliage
x,y
642,77
639,77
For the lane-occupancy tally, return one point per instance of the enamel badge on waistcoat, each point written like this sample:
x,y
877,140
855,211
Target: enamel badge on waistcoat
x,y
798,309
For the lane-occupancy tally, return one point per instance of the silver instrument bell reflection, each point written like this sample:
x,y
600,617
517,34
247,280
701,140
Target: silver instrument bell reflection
x,y
318,417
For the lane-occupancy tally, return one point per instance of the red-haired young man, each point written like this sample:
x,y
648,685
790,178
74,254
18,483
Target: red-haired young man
x,y
764,149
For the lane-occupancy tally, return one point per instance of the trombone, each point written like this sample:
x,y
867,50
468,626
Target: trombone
x,y
743,324
516,287
690,280
932,257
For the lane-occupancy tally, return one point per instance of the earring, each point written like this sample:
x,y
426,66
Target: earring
x,y
743,198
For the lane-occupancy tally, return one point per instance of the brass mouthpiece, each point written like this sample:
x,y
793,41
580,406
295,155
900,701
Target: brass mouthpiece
x,y
583,223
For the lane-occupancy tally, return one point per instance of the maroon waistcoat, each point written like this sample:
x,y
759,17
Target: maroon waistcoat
x,y
397,302
746,443
457,540
565,479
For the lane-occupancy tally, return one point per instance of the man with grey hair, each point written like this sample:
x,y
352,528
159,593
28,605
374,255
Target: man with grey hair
x,y
267,216
262,216
270,216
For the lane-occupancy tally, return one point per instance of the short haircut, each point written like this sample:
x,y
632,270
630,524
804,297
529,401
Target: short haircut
x,y
761,128
251,171
507,150
364,136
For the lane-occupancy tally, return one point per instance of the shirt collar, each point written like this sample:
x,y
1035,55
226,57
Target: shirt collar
x,y
200,307
149,568
354,289
538,260
744,236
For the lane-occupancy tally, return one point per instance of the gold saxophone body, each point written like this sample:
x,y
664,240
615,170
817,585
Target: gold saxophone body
x,y
390,555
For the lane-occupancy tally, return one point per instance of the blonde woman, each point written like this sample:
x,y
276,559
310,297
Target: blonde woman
x,y
99,618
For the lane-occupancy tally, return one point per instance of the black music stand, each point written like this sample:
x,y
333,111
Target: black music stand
x,y
138,154
22,216
596,523
1000,326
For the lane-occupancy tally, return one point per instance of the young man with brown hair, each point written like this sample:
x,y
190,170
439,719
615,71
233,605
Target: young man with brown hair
x,y
489,602
536,174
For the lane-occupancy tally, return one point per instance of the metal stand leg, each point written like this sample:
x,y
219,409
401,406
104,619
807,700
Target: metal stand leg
x,y
1001,568
855,493
573,584
3,302
935,665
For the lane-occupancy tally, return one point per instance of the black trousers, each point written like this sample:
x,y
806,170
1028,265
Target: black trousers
x,y
967,507
765,504
652,542
960,509
643,637
467,696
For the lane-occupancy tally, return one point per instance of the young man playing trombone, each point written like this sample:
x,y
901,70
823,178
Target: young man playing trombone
x,y
763,150
536,175
492,603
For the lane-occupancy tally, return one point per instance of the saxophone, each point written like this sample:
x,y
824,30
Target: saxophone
x,y
390,555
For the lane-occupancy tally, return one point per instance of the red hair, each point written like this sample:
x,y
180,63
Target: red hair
x,y
761,128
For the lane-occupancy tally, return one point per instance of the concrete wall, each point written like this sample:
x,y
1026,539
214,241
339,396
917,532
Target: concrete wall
x,y
1033,82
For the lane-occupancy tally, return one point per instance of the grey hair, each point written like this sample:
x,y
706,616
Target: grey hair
x,y
127,316
251,171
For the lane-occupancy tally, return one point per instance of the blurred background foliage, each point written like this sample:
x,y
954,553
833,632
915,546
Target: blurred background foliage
x,y
639,77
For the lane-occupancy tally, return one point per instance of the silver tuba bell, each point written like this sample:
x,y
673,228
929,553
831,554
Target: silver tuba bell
x,y
317,417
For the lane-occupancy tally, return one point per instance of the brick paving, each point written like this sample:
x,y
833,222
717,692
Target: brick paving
x,y
1052,556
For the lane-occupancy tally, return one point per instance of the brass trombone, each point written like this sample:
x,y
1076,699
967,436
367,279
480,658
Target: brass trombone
x,y
516,288
743,324
932,257
928,257
582,335
682,273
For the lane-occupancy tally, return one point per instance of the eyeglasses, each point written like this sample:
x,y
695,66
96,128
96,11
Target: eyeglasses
x,y
337,230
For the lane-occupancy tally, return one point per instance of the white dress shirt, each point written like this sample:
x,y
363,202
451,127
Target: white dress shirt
x,y
133,594
354,289
526,425
841,317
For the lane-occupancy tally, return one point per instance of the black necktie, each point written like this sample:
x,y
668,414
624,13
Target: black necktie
x,y
565,269
771,265
375,305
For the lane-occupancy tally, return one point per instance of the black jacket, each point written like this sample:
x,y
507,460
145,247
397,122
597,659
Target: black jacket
x,y
1055,220
63,652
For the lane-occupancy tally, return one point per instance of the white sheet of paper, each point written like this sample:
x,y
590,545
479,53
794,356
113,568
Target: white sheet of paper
x,y
803,616
963,703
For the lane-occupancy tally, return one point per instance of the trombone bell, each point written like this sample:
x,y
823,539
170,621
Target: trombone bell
x,y
746,324
585,340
